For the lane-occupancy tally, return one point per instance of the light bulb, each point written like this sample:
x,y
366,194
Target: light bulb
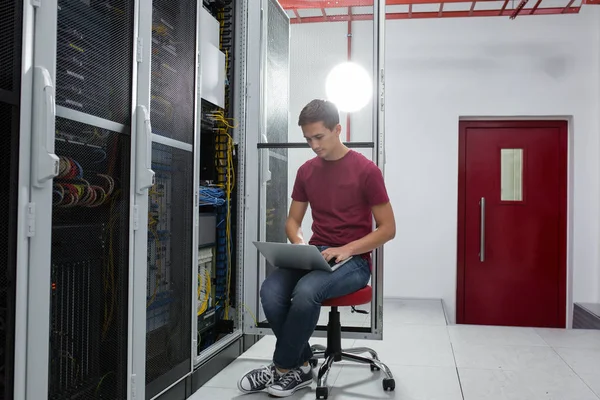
x,y
349,87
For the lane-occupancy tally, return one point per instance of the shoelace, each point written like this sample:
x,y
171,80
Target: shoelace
x,y
289,377
264,376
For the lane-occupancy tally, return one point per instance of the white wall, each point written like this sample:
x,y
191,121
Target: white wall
x,y
437,71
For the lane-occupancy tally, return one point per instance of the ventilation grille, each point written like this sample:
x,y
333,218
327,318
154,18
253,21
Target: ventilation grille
x,y
277,105
89,287
10,60
7,43
168,324
94,57
173,69
277,82
7,247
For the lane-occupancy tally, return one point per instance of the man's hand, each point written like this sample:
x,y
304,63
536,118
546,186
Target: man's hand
x,y
339,253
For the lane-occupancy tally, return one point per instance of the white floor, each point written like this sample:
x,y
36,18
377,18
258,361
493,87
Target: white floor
x,y
433,361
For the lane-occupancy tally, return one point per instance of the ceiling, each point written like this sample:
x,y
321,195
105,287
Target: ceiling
x,y
311,11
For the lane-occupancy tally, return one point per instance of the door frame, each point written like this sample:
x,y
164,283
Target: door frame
x,y
563,126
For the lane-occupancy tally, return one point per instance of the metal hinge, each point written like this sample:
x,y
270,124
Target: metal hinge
x,y
139,50
133,388
30,219
36,3
136,218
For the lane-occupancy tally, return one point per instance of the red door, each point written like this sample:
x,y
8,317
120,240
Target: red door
x,y
512,223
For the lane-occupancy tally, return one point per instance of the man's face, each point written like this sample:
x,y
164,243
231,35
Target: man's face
x,y
320,139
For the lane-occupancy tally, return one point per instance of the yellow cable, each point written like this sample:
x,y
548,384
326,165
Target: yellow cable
x,y
204,305
251,314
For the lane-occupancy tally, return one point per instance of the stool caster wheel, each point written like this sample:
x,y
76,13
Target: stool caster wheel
x,y
389,384
313,362
375,368
322,392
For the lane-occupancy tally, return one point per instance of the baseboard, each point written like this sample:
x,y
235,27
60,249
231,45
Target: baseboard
x,y
444,309
586,316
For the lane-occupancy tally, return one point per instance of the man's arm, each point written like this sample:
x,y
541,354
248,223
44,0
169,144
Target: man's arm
x,y
384,232
293,225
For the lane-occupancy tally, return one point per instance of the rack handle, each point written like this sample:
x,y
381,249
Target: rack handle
x,y
45,162
145,175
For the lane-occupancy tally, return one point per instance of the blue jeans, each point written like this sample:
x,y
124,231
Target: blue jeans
x,y
291,300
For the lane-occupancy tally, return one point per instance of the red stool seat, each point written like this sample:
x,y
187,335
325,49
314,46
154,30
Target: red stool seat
x,y
334,352
362,296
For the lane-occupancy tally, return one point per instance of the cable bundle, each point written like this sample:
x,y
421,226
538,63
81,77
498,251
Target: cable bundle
x,y
79,193
212,196
225,151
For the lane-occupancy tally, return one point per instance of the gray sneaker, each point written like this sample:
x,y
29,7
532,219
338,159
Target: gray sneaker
x,y
258,379
290,382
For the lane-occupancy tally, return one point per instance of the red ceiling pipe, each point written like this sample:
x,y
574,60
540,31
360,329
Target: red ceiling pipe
x,y
349,59
518,9
535,7
434,14
308,4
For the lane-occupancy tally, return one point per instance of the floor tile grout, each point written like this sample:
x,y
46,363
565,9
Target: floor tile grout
x,y
432,336
575,372
462,393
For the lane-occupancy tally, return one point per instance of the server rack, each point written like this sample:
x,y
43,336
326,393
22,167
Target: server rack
x,y
91,200
168,79
10,86
264,154
218,305
93,285
87,179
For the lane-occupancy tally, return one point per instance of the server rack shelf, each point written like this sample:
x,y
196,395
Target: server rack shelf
x,y
90,212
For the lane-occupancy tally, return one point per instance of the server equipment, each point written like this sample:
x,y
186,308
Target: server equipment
x,y
145,148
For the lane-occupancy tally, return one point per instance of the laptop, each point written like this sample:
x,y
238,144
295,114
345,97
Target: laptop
x,y
296,256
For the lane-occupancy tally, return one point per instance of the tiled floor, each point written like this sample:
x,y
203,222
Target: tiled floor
x,y
433,361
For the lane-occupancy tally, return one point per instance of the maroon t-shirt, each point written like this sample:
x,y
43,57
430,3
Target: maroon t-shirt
x,y
341,194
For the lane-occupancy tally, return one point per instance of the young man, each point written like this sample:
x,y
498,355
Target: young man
x,y
345,191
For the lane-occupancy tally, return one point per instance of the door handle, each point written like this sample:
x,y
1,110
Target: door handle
x,y
145,175
482,230
45,162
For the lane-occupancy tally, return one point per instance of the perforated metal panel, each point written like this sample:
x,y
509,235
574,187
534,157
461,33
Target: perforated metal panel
x,y
7,248
10,59
277,81
90,241
173,69
277,104
90,218
8,29
171,199
168,325
94,57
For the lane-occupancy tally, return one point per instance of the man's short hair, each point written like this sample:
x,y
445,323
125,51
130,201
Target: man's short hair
x,y
320,111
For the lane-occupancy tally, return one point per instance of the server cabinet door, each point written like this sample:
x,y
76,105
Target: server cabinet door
x,y
13,240
90,255
171,253
41,72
